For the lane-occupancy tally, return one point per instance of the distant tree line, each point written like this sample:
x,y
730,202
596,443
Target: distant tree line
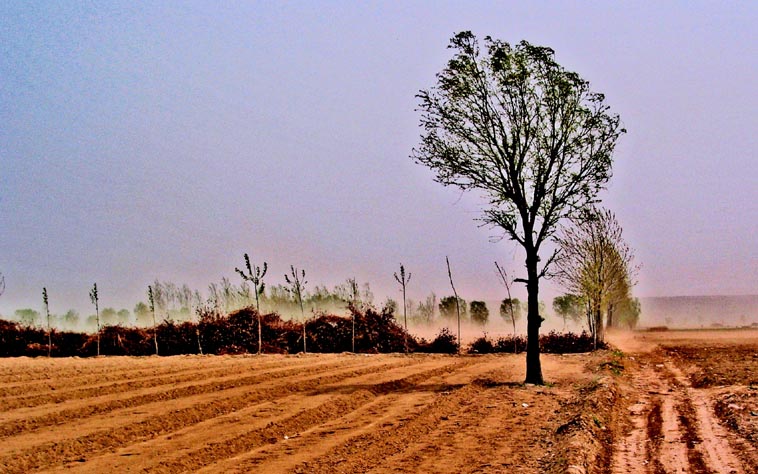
x,y
240,333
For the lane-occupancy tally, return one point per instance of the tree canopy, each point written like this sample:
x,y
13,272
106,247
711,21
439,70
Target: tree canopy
x,y
597,265
530,136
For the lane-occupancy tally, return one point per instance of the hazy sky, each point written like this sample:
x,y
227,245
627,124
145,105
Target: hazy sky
x,y
144,140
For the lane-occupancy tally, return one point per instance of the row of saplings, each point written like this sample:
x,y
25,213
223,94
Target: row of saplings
x,y
370,331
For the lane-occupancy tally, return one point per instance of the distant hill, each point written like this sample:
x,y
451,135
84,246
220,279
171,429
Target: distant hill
x,y
699,311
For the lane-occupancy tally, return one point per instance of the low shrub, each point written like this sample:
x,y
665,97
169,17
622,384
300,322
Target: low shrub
x,y
510,344
481,345
444,343
376,331
568,343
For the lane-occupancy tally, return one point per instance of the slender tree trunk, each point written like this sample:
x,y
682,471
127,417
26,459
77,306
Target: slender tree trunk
x,y
534,321
302,312
405,321
155,334
457,302
258,311
97,316
609,320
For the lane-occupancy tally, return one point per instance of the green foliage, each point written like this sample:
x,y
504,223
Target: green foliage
x,y
390,306
628,312
27,316
142,315
403,281
108,316
124,317
505,309
569,307
530,136
448,310
93,296
480,314
255,276
597,264
70,319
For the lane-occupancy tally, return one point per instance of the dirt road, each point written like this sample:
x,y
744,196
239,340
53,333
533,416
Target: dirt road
x,y
672,427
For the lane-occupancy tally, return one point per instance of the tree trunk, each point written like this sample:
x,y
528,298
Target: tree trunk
x,y
534,321
609,322
599,329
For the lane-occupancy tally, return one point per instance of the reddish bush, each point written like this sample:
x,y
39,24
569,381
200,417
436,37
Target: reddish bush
x,y
12,339
568,342
444,343
481,345
551,343
377,331
120,340
511,344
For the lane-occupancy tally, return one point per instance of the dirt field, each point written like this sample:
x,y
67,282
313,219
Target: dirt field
x,y
648,410
694,404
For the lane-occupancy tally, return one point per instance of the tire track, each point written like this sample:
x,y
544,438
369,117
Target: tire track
x,y
703,428
672,428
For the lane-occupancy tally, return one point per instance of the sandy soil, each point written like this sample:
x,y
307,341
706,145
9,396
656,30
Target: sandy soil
x,y
674,424
670,402
315,413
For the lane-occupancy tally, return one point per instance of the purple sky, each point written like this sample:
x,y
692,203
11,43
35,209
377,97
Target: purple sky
x,y
164,141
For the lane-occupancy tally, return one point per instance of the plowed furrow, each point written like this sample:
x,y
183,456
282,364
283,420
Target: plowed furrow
x,y
61,382
179,446
136,413
338,404
187,377
42,369
496,422
373,449
55,452
146,454
20,420
387,409
286,455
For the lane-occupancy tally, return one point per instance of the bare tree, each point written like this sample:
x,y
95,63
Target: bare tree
x,y
353,288
506,281
297,288
47,313
532,137
403,280
457,302
255,275
151,302
93,296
